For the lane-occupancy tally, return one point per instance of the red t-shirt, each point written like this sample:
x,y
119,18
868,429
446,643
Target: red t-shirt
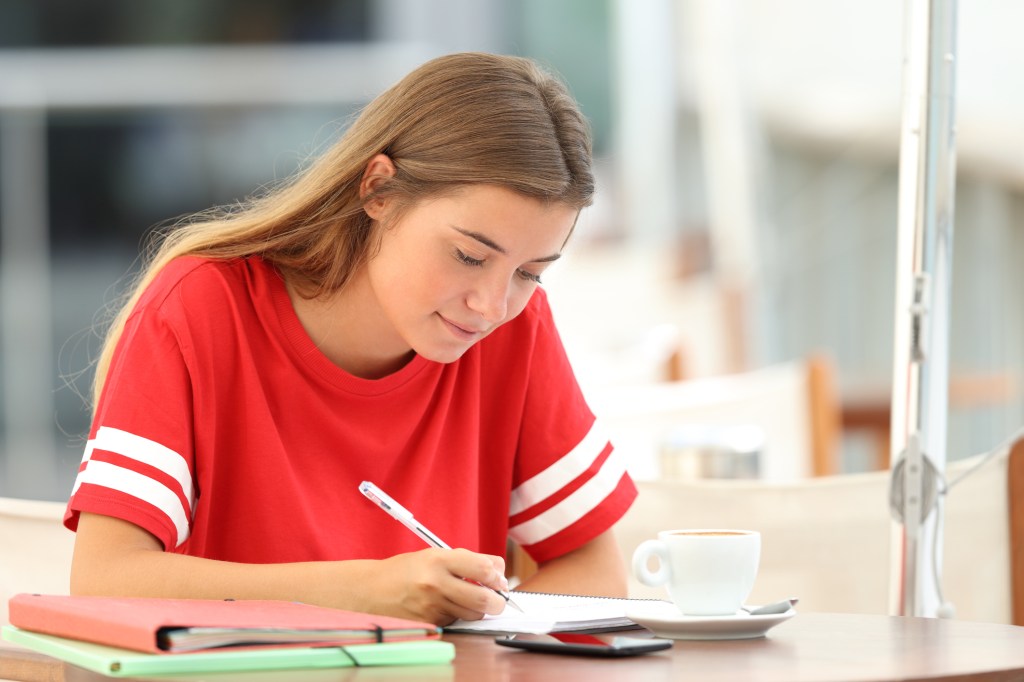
x,y
224,432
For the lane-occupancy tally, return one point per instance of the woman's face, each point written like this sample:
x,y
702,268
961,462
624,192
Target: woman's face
x,y
451,270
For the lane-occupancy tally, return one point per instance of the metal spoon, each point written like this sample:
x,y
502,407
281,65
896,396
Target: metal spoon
x,y
774,607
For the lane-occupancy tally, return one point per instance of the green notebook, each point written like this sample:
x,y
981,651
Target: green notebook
x,y
123,662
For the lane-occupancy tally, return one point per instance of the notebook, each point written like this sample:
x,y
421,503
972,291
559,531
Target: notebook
x,y
165,626
119,662
548,613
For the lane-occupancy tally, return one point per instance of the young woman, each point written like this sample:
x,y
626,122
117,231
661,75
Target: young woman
x,y
378,318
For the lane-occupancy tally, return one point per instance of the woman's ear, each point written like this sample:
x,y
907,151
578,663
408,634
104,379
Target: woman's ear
x,y
379,170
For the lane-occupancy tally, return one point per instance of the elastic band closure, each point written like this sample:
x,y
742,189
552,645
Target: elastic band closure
x,y
352,658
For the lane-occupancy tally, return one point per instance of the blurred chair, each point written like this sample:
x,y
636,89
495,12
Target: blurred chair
x,y
794,404
827,540
866,404
35,549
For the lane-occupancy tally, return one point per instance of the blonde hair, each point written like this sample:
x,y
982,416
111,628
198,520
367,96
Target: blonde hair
x,y
461,119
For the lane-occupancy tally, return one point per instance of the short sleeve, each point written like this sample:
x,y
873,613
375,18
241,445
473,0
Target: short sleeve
x,y
570,483
138,462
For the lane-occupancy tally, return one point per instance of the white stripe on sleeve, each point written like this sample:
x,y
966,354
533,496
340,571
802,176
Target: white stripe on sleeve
x,y
146,451
561,473
140,486
580,502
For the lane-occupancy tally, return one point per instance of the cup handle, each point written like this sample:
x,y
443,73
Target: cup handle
x,y
647,549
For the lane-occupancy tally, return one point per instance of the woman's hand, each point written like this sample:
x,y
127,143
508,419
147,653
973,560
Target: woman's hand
x,y
440,585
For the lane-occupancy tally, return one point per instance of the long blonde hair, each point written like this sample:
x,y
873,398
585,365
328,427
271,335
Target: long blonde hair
x,y
469,118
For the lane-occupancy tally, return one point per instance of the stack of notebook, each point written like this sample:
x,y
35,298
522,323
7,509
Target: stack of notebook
x,y
140,636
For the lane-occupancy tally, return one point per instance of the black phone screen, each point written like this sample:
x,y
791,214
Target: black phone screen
x,y
585,645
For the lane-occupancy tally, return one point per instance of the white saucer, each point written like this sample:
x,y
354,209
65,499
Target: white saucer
x,y
662,618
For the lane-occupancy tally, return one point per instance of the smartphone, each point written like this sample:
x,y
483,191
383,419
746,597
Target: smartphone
x,y
585,645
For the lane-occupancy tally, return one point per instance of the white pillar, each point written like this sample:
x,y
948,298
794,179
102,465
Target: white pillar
x,y
644,58
26,346
710,26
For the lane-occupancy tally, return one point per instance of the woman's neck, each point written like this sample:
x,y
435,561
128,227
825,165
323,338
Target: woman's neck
x,y
349,328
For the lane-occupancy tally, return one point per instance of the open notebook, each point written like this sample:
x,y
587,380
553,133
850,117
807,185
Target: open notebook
x,y
544,613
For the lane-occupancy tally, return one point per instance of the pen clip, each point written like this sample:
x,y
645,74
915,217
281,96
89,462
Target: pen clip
x,y
384,500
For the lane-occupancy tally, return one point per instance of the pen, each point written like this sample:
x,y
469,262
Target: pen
x,y
405,517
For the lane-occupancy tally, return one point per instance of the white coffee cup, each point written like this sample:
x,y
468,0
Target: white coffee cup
x,y
708,572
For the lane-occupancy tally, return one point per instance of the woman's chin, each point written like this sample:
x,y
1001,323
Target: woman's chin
x,y
443,355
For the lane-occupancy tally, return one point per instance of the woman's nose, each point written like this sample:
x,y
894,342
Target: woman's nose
x,y
490,298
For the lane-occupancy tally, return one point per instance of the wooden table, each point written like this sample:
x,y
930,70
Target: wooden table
x,y
815,647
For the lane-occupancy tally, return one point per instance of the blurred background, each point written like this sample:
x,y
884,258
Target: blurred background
x,y
745,224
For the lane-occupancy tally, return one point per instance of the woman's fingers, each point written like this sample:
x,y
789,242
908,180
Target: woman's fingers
x,y
441,585
469,581
485,569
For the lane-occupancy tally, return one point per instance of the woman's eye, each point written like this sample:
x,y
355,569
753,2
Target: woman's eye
x,y
528,276
468,260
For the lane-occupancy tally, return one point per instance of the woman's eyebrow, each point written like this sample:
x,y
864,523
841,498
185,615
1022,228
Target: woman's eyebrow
x,y
482,238
491,244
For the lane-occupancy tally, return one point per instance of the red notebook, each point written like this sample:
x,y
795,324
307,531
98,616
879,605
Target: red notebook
x,y
177,625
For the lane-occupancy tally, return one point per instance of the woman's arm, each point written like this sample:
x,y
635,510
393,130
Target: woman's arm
x,y
596,569
115,557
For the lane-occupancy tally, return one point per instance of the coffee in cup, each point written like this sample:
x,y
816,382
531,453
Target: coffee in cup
x,y
707,572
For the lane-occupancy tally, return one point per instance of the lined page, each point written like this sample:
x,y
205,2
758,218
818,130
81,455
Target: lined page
x,y
543,613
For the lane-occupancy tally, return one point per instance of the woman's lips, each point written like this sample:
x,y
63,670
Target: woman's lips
x,y
460,331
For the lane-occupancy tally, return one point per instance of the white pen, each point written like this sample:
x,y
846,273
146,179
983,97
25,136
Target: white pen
x,y
405,517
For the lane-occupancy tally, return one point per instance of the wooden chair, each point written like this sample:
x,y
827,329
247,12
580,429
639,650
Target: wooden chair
x,y
35,549
827,540
866,406
794,404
